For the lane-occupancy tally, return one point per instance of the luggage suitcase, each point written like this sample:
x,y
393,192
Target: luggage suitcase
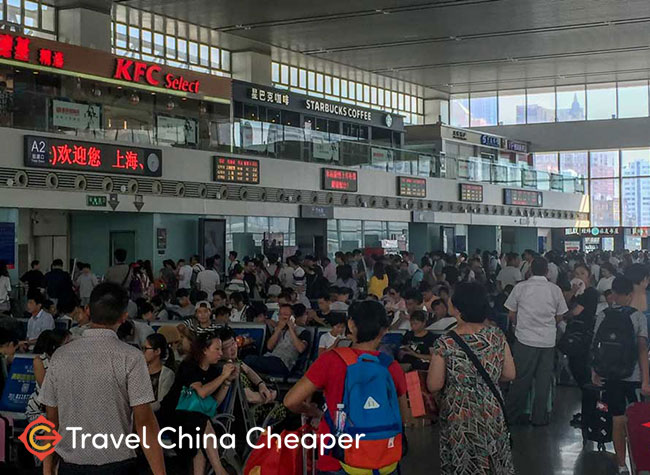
x,y
596,419
638,437
6,432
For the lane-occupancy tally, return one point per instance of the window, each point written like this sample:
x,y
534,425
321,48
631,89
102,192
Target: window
x,y
632,99
605,202
636,201
546,162
540,105
459,110
175,42
570,103
604,163
483,108
512,107
601,101
635,162
574,163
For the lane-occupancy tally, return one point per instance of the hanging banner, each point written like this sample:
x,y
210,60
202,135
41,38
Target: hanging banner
x,y
175,130
76,116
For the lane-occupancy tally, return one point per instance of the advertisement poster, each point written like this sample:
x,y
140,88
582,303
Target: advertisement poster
x,y
8,244
323,149
73,115
19,386
175,130
380,157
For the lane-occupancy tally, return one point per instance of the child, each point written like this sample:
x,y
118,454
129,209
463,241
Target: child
x,y
622,393
221,316
335,335
417,343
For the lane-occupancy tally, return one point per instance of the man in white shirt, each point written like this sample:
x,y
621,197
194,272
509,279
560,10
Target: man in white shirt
x,y
510,275
39,321
414,301
184,274
208,279
329,269
553,270
527,257
536,305
238,301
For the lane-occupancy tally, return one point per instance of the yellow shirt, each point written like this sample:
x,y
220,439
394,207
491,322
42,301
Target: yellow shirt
x,y
377,286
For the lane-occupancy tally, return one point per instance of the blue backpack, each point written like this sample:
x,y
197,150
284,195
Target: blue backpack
x,y
369,406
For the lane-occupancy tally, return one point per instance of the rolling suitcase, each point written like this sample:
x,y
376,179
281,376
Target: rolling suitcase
x,y
638,437
596,419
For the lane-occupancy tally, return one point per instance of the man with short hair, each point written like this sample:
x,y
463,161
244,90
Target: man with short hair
x,y
120,272
86,282
510,275
184,271
33,278
39,319
58,282
185,307
414,302
102,385
536,305
232,261
239,302
528,255
441,321
237,282
219,299
208,279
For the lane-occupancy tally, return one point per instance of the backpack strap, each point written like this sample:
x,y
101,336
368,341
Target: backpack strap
x,y
348,355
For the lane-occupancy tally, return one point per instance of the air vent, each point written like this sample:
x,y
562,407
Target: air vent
x,y
180,189
345,200
132,186
107,185
202,190
281,196
80,183
20,179
243,193
420,204
52,181
373,202
386,203
329,199
360,201
263,195
314,198
297,197
156,187
429,204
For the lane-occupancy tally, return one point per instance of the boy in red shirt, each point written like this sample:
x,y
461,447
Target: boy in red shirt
x,y
368,324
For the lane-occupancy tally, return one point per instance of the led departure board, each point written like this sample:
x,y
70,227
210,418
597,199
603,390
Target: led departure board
x,y
522,197
471,193
237,170
70,154
340,180
412,187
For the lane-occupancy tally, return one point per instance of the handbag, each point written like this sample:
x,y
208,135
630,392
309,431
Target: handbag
x,y
190,401
484,374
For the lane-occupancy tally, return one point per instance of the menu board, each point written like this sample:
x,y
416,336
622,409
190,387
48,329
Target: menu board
x,y
412,187
340,180
70,154
522,197
471,193
237,170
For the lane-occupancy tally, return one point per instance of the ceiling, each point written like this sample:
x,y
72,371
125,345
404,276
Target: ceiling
x,y
446,45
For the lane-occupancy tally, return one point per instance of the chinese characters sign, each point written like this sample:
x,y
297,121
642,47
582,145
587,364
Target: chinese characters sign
x,y
19,48
595,231
339,180
47,152
471,193
522,197
237,170
413,187
270,97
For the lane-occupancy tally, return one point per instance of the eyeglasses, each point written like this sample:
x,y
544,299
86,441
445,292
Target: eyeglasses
x,y
147,348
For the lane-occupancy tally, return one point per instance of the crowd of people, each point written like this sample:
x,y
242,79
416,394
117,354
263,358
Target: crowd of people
x,y
488,329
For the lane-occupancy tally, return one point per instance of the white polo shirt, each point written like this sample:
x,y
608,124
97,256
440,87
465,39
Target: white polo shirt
x,y
509,276
537,302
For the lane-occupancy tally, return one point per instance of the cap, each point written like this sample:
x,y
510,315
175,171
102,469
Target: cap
x,y
299,276
203,304
274,290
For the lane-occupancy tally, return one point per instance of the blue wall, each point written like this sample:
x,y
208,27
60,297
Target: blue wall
x,y
481,237
10,215
182,237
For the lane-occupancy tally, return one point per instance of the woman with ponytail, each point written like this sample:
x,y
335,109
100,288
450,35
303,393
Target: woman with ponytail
x,y
160,361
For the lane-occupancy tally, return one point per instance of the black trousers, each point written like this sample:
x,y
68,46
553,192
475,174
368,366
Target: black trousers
x,y
579,367
126,467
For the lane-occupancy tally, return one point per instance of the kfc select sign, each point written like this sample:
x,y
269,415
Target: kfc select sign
x,y
140,72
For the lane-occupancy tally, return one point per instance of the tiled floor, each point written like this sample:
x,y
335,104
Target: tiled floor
x,y
553,450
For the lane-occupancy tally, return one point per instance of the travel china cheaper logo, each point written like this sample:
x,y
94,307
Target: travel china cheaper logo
x,y
40,438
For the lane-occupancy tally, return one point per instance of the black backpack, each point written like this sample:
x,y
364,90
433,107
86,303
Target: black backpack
x,y
576,339
615,347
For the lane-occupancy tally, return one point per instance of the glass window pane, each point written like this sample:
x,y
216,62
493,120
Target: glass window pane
x,y
293,76
146,21
483,107
373,95
159,44
170,47
134,38
275,72
182,50
366,93
359,92
302,75
147,44
604,163
414,105
546,162
225,60
257,224
460,110
574,163
215,56
632,99
636,201
388,101
31,14
605,203
194,52
352,89
204,53
319,82
284,74
120,13
512,107
601,101
13,11
540,105
120,35
380,97
328,84
311,80
47,18
635,162
336,86
570,103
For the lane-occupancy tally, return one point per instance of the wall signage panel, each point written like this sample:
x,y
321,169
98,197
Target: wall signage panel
x,y
318,212
68,154
471,193
592,232
237,170
490,141
522,197
423,217
411,187
340,180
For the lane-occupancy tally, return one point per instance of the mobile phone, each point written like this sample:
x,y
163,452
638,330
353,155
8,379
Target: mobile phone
x,y
293,319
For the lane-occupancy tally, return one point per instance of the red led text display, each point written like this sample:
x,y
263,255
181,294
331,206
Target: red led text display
x,y
522,197
237,170
19,48
140,72
471,193
340,180
412,187
55,153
